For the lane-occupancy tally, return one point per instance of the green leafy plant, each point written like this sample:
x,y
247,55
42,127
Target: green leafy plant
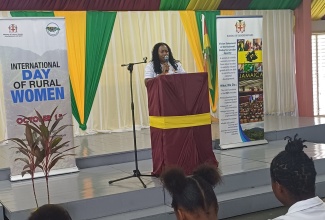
x,y
32,152
51,151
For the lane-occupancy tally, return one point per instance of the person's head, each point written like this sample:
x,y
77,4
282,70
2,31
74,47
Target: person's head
x,y
293,173
50,212
159,52
193,197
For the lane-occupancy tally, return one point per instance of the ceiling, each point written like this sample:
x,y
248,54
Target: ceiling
x,y
317,7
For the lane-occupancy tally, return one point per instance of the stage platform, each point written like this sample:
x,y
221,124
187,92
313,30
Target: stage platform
x,y
103,157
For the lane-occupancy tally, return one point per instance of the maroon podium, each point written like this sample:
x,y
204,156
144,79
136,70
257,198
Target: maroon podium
x,y
180,123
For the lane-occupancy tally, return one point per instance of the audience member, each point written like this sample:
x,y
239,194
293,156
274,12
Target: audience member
x,y
50,212
193,197
293,177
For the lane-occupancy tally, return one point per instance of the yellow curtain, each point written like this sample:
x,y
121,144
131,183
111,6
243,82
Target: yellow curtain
x,y
76,44
189,23
317,9
227,12
203,5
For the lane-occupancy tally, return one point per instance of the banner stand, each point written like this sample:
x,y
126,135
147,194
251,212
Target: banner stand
x,y
240,78
34,67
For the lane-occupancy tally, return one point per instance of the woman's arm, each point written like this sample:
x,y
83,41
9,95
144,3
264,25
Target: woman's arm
x,y
149,73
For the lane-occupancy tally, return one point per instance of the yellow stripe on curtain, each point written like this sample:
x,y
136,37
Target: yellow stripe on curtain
x,y
227,12
76,46
189,23
203,5
4,14
317,9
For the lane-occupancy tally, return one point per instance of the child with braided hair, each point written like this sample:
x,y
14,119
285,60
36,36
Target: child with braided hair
x,y
50,212
193,197
293,178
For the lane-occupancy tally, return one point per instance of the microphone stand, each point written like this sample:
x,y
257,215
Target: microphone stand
x,y
136,172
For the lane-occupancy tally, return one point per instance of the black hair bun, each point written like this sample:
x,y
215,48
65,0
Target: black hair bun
x,y
296,145
174,180
209,173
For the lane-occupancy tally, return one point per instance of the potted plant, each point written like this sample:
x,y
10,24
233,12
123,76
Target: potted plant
x,y
42,147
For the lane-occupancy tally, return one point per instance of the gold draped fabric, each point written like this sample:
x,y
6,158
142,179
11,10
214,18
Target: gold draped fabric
x,y
227,12
76,44
203,5
192,33
317,9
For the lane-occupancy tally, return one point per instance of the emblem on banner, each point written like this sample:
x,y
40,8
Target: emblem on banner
x,y
52,29
12,28
12,31
240,26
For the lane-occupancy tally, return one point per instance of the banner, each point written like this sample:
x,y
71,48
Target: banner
x,y
240,72
33,61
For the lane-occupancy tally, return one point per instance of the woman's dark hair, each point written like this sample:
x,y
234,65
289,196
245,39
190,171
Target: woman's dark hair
x,y
294,170
194,192
50,212
156,61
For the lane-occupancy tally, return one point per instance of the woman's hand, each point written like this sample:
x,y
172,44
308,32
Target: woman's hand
x,y
165,68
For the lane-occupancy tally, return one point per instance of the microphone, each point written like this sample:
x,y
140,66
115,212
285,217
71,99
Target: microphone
x,y
166,58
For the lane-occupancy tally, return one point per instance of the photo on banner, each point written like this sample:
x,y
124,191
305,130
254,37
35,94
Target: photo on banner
x,y
240,72
35,75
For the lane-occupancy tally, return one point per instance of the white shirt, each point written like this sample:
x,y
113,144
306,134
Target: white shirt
x,y
150,72
309,209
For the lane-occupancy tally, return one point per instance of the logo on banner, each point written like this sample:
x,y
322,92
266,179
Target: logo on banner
x,y
12,28
12,31
240,26
52,29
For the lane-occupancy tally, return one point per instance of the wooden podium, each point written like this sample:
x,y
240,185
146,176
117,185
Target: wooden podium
x,y
180,121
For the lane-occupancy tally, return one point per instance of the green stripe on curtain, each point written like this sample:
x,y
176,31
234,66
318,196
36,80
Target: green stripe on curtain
x,y
210,18
98,34
274,4
74,107
32,13
173,5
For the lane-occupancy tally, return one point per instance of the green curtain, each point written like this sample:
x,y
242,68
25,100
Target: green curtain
x,y
74,108
173,5
32,13
98,34
274,4
210,19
